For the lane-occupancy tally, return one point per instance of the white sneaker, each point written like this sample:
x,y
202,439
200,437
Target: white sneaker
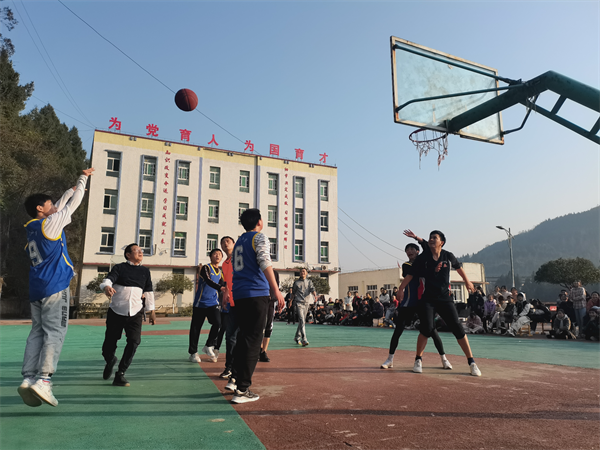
x,y
43,389
388,364
209,351
231,386
446,364
418,367
195,358
29,398
244,397
216,351
475,370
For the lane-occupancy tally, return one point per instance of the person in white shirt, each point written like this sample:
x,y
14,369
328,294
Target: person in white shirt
x,y
125,286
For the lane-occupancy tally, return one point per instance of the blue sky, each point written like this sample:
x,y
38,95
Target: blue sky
x,y
317,76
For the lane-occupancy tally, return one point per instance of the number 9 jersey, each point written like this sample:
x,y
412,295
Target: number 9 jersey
x,y
248,277
51,268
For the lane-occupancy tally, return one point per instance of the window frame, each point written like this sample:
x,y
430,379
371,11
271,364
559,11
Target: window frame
x,y
105,245
324,186
213,206
181,201
149,197
183,166
214,182
272,213
245,175
179,240
273,184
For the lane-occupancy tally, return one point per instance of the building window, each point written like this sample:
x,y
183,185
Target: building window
x,y
272,216
211,243
324,252
353,289
181,210
178,272
149,168
213,211
145,241
372,290
273,248
113,164
324,190
179,244
299,251
457,292
273,182
299,218
103,270
389,288
107,240
244,181
110,201
241,208
183,173
215,178
299,187
324,221
147,209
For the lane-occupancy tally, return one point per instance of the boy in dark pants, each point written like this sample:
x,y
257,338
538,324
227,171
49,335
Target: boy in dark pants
x,y
124,286
253,280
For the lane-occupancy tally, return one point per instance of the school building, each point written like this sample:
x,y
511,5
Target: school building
x,y
177,200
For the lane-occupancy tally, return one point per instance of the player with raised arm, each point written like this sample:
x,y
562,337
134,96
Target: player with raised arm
x,y
49,278
434,265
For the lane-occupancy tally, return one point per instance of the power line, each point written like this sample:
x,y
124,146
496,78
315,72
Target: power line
x,y
145,70
387,243
370,243
342,233
56,109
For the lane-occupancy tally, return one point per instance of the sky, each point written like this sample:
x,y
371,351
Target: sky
x,y
317,76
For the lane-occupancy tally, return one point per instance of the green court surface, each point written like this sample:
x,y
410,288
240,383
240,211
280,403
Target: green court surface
x,y
172,404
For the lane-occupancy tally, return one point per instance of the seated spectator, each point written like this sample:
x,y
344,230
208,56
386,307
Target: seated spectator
x,y
378,310
489,309
538,313
498,317
473,324
349,318
364,313
356,301
384,298
521,318
509,314
320,314
567,306
390,313
476,302
561,328
591,330
594,301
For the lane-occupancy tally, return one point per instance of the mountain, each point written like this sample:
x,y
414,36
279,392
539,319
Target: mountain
x,y
570,236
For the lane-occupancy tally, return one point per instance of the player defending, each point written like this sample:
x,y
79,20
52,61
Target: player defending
x,y
253,279
407,309
434,265
49,277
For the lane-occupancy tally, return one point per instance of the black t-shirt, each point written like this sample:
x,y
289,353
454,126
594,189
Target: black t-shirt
x,y
436,274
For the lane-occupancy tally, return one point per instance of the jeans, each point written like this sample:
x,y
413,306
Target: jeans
x,y
301,331
579,315
115,324
49,323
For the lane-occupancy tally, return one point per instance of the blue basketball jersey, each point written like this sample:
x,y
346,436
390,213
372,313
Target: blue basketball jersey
x,y
248,278
51,268
207,296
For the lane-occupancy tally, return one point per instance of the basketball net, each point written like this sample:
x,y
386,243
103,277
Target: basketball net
x,y
426,140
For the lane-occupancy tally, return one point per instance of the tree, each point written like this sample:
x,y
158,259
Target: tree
x,y
565,272
94,285
8,21
175,284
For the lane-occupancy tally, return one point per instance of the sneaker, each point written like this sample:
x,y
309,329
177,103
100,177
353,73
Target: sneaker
x,y
226,374
305,343
231,386
298,342
510,332
43,389
108,368
195,358
216,351
263,357
446,364
244,397
475,370
418,367
120,380
388,364
29,398
209,351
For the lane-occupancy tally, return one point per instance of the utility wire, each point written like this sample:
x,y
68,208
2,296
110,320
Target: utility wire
x,y
141,67
387,243
342,233
64,113
370,243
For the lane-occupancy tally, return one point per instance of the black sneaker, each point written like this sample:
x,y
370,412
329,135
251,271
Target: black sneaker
x,y
263,357
244,397
108,368
226,374
120,380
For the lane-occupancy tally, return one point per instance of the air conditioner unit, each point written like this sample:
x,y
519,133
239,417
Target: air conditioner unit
x,y
323,267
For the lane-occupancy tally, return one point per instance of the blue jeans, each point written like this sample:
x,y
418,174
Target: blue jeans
x,y
579,315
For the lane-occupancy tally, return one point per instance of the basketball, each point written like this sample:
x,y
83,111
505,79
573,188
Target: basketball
x,y
186,100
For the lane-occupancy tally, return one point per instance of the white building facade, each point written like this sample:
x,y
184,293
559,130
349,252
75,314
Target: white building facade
x,y
177,201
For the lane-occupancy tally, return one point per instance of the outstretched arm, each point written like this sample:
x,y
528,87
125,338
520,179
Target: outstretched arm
x,y
410,234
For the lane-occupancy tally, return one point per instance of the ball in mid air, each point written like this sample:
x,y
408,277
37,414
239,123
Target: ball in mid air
x,y
186,100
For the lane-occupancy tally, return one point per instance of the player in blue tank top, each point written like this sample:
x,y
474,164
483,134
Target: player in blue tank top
x,y
253,280
49,277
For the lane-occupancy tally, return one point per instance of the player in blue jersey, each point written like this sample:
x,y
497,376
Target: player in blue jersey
x,y
253,281
408,308
49,277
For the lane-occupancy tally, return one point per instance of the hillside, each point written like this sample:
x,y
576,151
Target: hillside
x,y
570,236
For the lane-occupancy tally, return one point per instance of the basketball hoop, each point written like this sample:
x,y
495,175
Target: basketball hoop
x,y
426,140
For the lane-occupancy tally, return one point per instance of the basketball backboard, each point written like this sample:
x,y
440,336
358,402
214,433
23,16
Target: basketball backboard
x,y
425,82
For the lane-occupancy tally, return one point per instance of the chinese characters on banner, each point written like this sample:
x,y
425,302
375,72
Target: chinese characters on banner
x,y
168,180
285,208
